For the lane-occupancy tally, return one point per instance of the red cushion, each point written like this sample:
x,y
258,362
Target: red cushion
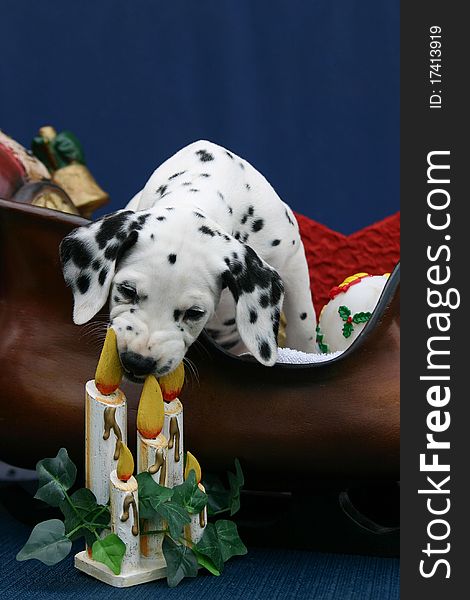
x,y
333,256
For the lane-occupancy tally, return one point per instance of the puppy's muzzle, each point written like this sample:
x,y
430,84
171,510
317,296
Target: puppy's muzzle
x,y
136,365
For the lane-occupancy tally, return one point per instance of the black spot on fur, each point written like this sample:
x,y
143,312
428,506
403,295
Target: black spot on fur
x,y
207,230
251,210
275,319
161,190
221,196
237,268
264,301
244,219
230,210
275,242
242,166
111,251
176,175
198,215
226,237
253,316
237,235
169,208
229,154
129,328
110,226
116,298
102,275
96,265
172,259
204,156
142,218
83,283
152,236
187,183
303,316
194,190
161,218
229,322
235,255
277,288
74,249
132,310
177,314
205,175
293,242
257,225
265,350
248,186
245,238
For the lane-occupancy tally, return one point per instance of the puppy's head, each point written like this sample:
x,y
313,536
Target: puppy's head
x,y
164,271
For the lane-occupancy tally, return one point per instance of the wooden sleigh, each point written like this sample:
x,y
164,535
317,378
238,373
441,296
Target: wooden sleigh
x,y
290,425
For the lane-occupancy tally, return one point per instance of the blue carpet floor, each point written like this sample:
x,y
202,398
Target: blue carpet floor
x,y
261,575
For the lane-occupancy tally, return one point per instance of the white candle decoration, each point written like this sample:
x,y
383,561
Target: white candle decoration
x,y
173,431
195,529
124,500
152,457
105,428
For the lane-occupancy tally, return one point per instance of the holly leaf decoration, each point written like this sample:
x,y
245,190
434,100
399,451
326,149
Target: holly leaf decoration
x,y
109,551
47,543
68,148
189,496
85,511
347,329
209,547
229,540
56,476
176,517
180,561
151,495
344,312
362,317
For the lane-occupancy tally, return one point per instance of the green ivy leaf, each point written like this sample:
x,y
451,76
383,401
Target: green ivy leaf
x,y
176,517
347,329
209,546
205,562
189,496
236,482
56,476
229,540
217,496
46,543
109,551
361,317
344,312
180,561
151,495
85,510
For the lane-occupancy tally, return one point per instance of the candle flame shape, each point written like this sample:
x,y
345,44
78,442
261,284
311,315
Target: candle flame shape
x,y
172,383
192,464
108,374
151,412
125,465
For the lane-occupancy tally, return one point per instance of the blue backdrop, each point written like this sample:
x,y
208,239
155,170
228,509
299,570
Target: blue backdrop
x,y
306,90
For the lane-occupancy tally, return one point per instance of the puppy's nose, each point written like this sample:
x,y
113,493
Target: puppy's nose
x,y
137,364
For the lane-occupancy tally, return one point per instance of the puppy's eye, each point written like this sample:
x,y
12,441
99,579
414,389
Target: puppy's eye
x,y
194,314
128,291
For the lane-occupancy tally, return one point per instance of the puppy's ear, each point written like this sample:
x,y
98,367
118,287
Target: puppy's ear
x,y
258,292
89,256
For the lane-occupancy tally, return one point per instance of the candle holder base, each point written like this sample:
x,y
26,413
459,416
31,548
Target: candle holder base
x,y
148,570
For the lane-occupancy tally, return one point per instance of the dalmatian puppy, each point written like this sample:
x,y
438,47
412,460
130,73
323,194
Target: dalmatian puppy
x,y
206,244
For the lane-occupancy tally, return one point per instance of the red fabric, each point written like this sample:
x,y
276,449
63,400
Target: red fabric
x,y
333,256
